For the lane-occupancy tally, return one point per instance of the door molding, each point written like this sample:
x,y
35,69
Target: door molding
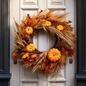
x,y
4,43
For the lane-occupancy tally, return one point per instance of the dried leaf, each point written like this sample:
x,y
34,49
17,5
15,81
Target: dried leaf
x,y
20,43
56,71
16,45
35,68
62,60
54,68
43,12
15,53
17,25
41,55
57,17
26,55
61,35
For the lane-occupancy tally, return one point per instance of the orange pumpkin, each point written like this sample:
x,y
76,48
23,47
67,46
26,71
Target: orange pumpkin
x,y
54,55
30,48
29,30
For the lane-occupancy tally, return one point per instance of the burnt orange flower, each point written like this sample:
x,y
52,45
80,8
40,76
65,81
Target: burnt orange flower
x,y
24,22
49,71
15,54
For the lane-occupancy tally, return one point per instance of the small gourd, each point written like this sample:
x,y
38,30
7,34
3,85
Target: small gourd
x,y
30,48
60,27
29,30
54,55
47,23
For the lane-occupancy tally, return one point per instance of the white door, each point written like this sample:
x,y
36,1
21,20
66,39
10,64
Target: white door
x,y
22,76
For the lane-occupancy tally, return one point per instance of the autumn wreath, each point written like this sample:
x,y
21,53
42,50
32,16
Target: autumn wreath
x,y
53,59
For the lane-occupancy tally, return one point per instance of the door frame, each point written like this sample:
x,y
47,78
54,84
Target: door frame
x,y
5,42
81,43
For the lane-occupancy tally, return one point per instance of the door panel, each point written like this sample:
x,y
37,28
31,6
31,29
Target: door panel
x,y
22,76
56,4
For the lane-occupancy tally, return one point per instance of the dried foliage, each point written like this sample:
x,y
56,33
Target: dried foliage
x,y
57,17
59,29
